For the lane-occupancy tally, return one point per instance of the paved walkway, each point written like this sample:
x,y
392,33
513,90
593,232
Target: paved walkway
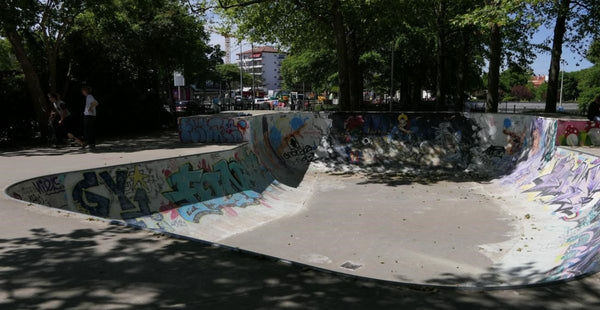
x,y
50,259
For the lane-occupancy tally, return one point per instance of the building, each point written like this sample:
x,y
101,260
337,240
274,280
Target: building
x,y
265,63
538,80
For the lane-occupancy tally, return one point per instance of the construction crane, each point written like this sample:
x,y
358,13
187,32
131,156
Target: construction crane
x,y
227,42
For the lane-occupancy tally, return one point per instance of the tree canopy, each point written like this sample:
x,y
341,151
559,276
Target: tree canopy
x,y
126,49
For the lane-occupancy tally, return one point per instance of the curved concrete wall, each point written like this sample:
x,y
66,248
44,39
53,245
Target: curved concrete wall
x,y
487,144
212,196
211,189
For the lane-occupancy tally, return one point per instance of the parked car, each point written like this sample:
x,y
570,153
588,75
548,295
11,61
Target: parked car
x,y
261,103
187,107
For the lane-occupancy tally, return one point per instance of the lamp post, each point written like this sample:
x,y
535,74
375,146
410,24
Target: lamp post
x,y
562,81
252,55
241,73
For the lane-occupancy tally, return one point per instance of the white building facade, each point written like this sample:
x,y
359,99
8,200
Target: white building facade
x,y
265,63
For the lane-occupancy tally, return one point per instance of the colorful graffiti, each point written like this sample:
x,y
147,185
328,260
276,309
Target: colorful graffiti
x,y
570,184
205,129
578,133
288,142
91,203
394,139
192,185
178,194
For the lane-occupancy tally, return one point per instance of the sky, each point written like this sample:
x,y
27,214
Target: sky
x,y
235,48
540,66
572,61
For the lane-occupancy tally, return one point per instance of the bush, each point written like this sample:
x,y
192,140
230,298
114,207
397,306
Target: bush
x,y
521,92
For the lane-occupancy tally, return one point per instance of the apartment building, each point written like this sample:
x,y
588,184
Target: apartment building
x,y
265,63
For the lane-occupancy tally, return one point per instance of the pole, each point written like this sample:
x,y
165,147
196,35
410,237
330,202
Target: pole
x,y
303,94
392,78
253,91
562,80
241,81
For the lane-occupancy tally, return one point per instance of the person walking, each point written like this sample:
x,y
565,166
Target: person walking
x,y
65,121
89,117
593,110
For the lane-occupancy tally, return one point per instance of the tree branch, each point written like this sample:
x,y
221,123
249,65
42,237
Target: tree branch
x,y
225,6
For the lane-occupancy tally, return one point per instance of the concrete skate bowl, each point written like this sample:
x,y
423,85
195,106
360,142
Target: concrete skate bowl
x,y
458,200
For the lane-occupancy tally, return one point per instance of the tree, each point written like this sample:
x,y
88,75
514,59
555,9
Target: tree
x,y
570,86
521,92
128,50
509,24
8,61
349,28
541,92
46,23
230,73
588,80
313,67
574,22
514,75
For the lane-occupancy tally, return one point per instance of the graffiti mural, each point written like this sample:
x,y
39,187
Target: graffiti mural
x,y
288,142
97,191
207,129
578,133
569,183
396,139
203,195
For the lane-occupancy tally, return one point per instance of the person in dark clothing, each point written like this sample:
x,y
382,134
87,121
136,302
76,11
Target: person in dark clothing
x,y
593,112
65,126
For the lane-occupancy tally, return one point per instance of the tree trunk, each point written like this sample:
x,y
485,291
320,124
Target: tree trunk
x,y
440,93
494,69
342,57
557,42
67,82
52,55
38,98
355,74
463,67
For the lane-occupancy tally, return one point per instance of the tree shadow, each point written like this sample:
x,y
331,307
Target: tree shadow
x,y
410,174
119,267
167,139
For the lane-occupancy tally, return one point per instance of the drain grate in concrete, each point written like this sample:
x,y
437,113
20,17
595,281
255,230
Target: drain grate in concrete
x,y
350,265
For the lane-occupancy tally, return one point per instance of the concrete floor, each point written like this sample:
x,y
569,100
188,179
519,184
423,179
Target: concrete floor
x,y
410,233
54,260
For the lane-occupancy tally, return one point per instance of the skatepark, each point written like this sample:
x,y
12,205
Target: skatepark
x,y
436,200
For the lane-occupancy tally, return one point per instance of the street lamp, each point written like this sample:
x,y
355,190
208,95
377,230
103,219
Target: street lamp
x,y
253,91
241,73
562,80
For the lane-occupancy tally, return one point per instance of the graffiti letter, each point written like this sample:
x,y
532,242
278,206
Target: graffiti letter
x,y
80,195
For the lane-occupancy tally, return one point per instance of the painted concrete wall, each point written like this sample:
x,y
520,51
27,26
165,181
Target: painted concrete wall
x,y
568,186
212,183
176,194
487,144
220,128
211,196
578,133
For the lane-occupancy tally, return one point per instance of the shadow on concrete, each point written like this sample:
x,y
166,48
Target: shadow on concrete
x,y
414,175
132,143
140,270
425,177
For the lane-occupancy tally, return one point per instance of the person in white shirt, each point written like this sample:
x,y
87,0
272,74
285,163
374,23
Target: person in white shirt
x,y
89,117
